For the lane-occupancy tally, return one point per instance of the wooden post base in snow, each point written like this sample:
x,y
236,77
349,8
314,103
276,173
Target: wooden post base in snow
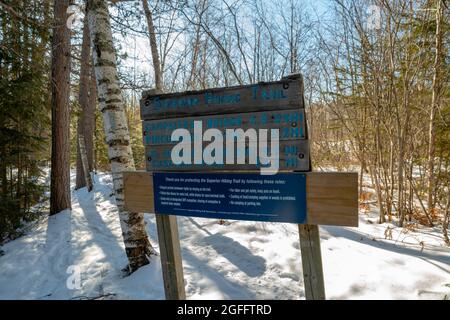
x,y
171,261
311,262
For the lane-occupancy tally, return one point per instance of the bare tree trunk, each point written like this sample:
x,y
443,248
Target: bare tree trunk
x,y
401,158
392,178
434,105
375,172
153,46
60,84
91,119
445,221
85,126
137,245
196,47
84,161
375,181
4,176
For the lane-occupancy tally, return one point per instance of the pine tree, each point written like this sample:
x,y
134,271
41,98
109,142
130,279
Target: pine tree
x,y
25,111
60,84
86,120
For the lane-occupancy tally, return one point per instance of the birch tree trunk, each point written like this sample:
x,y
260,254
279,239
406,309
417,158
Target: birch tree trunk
x,y
137,245
60,84
153,46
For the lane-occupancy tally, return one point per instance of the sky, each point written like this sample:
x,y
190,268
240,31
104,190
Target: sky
x,y
138,45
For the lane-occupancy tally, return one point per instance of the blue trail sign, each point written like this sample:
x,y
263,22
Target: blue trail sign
x,y
238,196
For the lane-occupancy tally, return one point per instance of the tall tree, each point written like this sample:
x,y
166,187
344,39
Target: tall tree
x,y
60,86
86,120
111,103
435,102
153,46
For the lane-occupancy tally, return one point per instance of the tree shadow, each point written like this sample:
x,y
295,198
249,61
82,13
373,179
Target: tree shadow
x,y
357,236
55,256
237,254
233,251
232,289
102,236
199,226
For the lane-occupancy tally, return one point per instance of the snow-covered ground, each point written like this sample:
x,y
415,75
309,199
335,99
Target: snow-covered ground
x,y
238,260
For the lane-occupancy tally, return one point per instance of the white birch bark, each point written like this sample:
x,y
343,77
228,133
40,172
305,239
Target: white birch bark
x,y
117,135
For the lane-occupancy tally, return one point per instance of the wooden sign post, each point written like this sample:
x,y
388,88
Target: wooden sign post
x,y
236,185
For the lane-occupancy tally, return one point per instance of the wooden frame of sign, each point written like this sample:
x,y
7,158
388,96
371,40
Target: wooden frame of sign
x,y
331,198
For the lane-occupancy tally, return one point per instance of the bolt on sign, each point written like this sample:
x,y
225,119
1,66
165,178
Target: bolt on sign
x,y
238,153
